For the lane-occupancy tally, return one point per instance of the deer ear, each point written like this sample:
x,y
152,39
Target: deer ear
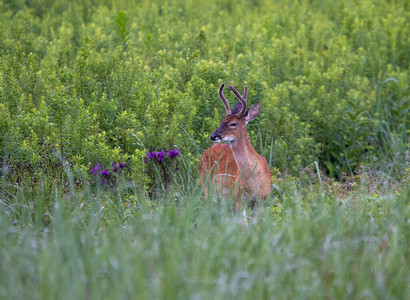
x,y
237,108
253,112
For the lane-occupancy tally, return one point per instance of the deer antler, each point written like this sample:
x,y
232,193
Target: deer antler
x,y
242,99
221,95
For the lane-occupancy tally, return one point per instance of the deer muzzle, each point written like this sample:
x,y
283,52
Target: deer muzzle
x,y
216,137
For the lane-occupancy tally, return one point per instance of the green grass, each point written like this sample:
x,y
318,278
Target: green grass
x,y
304,243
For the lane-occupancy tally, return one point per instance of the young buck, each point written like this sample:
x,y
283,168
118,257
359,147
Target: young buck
x,y
235,169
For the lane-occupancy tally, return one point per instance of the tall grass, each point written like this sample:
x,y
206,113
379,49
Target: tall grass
x,y
306,242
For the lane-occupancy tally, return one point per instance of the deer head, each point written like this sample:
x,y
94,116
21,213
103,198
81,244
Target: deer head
x,y
233,126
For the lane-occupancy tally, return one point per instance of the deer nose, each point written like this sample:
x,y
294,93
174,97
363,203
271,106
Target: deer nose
x,y
215,136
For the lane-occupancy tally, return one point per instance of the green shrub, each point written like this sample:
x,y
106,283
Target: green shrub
x,y
96,81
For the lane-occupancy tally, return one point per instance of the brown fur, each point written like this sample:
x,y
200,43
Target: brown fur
x,y
235,169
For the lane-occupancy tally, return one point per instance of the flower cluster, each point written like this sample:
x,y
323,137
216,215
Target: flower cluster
x,y
167,165
107,176
116,167
173,153
161,155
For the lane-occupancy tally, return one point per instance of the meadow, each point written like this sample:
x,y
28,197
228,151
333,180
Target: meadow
x,y
95,85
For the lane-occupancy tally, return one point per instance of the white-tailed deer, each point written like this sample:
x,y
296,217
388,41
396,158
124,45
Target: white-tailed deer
x,y
235,169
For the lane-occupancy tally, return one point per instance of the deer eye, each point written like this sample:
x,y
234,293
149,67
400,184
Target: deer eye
x,y
233,125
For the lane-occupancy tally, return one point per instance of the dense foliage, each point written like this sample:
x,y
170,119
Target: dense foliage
x,y
106,106
96,81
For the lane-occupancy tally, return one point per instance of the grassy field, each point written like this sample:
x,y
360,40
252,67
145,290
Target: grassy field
x,y
305,243
86,83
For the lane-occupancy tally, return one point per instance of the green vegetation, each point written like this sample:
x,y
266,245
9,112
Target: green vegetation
x,y
301,246
95,81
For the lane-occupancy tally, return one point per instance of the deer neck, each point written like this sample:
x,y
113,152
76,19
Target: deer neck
x,y
244,153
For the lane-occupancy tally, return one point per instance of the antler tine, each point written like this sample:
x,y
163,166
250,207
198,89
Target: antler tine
x,y
241,98
225,102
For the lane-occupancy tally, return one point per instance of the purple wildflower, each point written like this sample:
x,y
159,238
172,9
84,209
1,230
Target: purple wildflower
x,y
15,222
97,167
151,155
173,153
121,165
114,167
160,156
105,176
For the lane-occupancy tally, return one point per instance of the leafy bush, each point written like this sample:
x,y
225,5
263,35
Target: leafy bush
x,y
98,82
